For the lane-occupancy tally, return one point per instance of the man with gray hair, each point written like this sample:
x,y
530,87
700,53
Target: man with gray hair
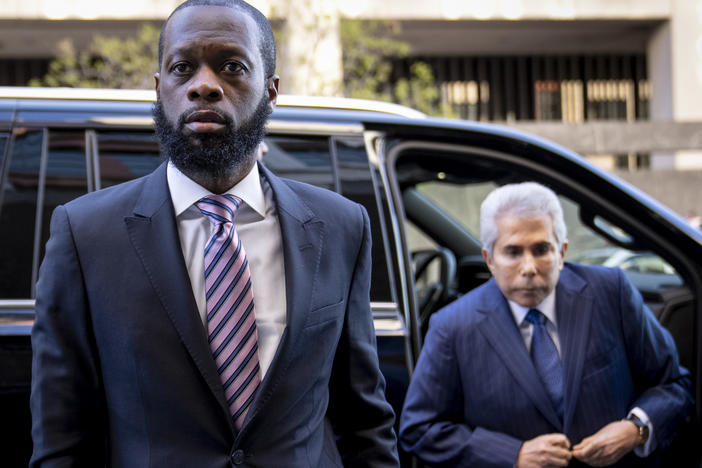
x,y
547,364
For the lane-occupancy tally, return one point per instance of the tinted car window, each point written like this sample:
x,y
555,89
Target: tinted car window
x,y
3,146
303,158
462,202
18,214
126,155
66,176
63,175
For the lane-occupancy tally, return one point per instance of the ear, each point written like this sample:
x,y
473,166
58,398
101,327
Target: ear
x,y
563,252
488,260
272,84
157,79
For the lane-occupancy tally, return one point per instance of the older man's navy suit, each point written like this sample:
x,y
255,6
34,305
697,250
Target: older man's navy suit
x,y
123,375
476,396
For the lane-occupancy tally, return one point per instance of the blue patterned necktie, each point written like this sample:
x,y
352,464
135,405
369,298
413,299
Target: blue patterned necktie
x,y
546,360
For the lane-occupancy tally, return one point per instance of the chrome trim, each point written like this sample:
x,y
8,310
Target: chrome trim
x,y
24,92
370,138
124,121
17,304
387,319
286,126
276,126
17,318
389,327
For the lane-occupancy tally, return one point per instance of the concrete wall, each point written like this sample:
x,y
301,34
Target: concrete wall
x,y
87,9
508,9
310,48
393,9
679,190
675,73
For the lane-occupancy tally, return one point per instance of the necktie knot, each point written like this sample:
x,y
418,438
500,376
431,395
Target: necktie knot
x,y
219,209
535,317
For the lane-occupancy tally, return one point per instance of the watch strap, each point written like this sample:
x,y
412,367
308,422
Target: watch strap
x,y
643,428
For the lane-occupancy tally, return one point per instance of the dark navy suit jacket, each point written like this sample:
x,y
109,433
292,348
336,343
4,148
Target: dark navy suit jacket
x,y
475,395
122,372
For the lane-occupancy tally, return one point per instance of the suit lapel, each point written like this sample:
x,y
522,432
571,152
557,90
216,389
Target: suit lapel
x,y
303,238
501,331
574,314
154,235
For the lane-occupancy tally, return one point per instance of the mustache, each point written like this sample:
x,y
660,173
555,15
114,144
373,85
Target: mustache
x,y
204,113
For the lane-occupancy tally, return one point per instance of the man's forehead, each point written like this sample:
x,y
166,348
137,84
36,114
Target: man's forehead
x,y
211,21
516,219
531,229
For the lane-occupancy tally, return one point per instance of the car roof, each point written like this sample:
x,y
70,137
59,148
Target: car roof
x,y
139,95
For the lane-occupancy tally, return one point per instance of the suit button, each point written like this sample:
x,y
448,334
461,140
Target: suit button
x,y
238,457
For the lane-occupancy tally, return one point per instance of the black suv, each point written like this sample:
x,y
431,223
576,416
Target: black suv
x,y
421,180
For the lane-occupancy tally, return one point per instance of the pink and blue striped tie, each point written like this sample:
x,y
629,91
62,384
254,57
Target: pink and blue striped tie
x,y
231,321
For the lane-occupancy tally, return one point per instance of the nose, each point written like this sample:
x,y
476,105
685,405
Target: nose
x,y
528,265
205,85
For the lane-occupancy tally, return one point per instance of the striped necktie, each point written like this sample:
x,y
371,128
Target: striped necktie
x,y
231,321
546,360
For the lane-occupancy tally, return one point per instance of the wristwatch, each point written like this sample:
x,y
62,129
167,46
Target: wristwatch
x,y
643,428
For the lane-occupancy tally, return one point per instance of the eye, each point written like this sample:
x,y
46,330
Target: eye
x,y
512,251
234,68
181,68
541,249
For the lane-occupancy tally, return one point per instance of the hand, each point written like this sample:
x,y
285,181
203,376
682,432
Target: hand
x,y
545,451
608,445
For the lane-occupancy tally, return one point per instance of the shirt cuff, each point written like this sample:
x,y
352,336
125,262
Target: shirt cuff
x,y
645,449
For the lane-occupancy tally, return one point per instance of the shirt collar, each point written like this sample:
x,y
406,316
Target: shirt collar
x,y
547,307
185,191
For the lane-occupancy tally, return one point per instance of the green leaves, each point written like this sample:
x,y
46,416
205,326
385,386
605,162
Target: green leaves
x,y
108,62
369,49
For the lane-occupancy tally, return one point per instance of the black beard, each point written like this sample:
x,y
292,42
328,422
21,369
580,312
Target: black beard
x,y
210,154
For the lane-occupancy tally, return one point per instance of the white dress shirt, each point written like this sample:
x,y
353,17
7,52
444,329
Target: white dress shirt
x,y
257,224
526,328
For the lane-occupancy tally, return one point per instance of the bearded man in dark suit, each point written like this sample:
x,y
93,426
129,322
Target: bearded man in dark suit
x,y
209,314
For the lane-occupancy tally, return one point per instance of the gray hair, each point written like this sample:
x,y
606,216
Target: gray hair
x,y
522,200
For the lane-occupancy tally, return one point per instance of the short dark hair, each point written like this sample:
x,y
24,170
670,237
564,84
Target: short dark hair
x,y
266,40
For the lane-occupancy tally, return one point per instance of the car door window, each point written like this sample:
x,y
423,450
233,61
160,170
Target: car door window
x,y
44,169
66,175
18,214
126,155
304,158
646,269
3,146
